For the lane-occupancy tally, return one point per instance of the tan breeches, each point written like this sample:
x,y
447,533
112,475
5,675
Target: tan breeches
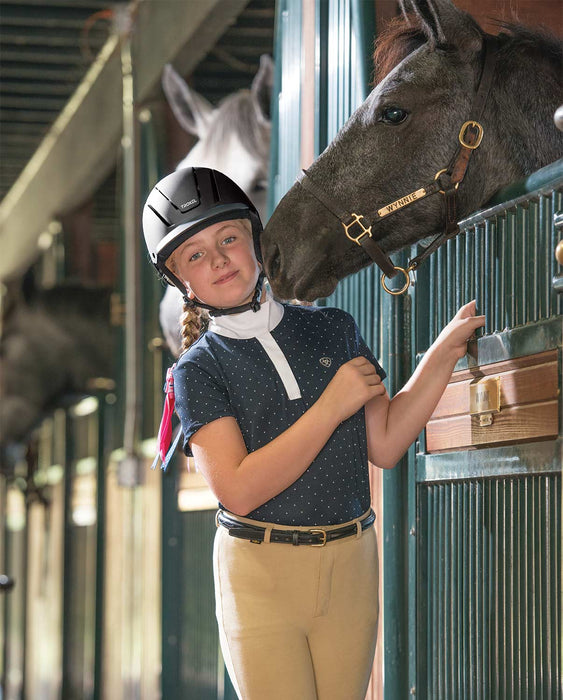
x,y
297,623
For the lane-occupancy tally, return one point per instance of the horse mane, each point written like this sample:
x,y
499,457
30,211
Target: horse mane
x,y
533,39
403,36
239,110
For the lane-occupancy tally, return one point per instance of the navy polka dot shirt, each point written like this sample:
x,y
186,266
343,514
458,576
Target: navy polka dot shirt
x,y
223,376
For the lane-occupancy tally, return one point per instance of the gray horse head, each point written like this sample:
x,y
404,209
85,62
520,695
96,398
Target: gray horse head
x,y
405,132
233,137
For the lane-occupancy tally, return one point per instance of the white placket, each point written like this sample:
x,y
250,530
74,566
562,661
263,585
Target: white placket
x,y
259,324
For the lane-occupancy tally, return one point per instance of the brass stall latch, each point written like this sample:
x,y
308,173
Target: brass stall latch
x,y
484,399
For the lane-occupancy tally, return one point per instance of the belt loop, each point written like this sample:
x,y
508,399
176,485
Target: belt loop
x,y
267,534
358,529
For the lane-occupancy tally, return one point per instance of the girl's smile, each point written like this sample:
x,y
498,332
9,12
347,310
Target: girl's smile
x,y
226,278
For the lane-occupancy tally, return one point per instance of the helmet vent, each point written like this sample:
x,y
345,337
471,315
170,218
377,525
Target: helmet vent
x,y
154,211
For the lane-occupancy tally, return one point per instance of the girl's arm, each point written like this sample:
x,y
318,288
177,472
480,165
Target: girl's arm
x,y
243,481
394,425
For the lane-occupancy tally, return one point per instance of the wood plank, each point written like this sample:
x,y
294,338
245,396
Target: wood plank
x,y
513,425
504,365
518,386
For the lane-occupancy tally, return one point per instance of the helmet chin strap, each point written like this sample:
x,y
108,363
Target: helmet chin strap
x,y
252,305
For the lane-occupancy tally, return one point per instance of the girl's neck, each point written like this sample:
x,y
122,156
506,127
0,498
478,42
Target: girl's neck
x,y
249,324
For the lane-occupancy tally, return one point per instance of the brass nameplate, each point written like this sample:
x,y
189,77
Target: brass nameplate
x,y
400,203
484,399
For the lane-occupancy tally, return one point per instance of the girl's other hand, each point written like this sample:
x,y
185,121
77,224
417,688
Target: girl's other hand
x,y
454,337
353,385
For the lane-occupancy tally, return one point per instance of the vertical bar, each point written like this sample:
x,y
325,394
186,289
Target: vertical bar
x,y
488,280
465,588
531,236
544,278
522,220
432,301
496,523
473,655
545,525
507,292
500,291
103,410
514,317
479,570
479,270
470,265
556,300
525,588
450,278
454,588
459,274
438,633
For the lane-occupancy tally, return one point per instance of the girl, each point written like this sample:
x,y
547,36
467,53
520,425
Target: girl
x,y
282,407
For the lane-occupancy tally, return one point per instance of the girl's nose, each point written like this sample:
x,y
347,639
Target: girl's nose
x,y
219,259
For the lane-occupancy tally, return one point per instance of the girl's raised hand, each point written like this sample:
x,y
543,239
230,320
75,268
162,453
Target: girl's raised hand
x,y
353,385
459,330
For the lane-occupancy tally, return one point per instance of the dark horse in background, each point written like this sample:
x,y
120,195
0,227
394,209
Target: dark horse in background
x,y
406,131
54,343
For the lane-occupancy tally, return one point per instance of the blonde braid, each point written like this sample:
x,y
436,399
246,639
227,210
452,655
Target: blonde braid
x,y
194,320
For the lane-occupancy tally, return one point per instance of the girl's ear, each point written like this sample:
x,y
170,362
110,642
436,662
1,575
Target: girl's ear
x,y
190,294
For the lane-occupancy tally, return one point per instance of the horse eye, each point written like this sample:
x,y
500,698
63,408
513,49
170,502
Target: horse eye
x,y
394,115
260,185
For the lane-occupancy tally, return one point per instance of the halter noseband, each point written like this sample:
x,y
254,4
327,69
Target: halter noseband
x,y
446,182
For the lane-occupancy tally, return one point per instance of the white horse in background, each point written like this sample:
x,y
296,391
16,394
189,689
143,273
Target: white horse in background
x,y
233,137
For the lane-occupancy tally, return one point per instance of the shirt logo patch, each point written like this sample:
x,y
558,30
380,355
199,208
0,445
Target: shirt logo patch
x,y
325,361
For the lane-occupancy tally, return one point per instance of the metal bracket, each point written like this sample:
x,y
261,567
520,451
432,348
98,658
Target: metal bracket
x,y
484,399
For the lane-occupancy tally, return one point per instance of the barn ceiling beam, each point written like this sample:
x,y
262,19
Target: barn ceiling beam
x,y
82,146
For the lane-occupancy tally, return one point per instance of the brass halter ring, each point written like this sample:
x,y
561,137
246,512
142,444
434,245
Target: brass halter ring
x,y
444,170
395,292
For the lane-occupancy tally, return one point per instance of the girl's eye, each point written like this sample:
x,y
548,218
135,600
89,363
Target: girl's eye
x,y
394,115
195,256
228,240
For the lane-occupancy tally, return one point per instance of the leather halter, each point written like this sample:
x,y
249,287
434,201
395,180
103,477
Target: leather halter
x,y
446,182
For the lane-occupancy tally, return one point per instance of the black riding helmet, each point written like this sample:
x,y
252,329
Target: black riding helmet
x,y
185,202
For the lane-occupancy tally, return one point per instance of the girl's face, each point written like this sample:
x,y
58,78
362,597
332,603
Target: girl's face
x,y
218,265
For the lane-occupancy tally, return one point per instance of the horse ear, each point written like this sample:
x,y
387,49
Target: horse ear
x,y
262,86
192,111
444,24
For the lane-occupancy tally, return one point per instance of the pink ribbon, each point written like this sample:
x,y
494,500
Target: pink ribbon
x,y
165,429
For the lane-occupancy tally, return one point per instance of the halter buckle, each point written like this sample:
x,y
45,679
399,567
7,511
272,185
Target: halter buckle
x,y
462,134
356,220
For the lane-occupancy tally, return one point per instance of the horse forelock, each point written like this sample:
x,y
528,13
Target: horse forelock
x,y
238,115
397,41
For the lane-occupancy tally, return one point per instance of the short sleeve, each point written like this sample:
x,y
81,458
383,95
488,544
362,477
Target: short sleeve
x,y
364,350
200,399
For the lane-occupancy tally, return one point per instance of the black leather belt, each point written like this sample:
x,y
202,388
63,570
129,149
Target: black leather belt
x,y
315,537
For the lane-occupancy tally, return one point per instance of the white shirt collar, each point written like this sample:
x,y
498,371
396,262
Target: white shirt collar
x,y
249,324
